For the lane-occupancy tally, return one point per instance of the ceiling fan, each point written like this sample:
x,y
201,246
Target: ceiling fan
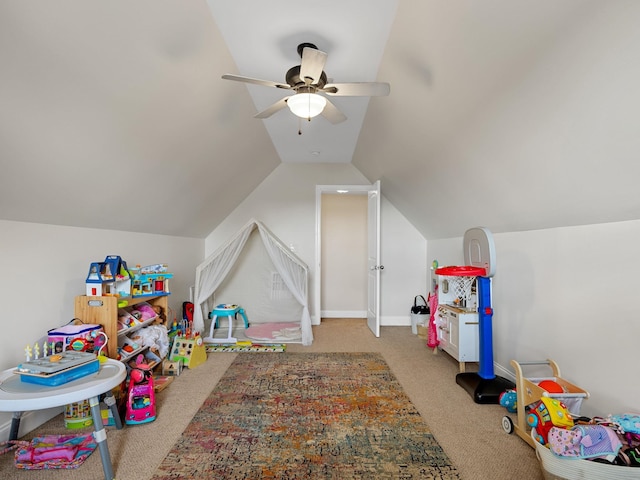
x,y
307,81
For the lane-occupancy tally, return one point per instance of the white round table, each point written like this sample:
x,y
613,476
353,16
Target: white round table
x,y
17,397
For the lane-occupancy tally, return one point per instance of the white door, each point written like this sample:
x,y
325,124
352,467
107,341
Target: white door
x,y
373,277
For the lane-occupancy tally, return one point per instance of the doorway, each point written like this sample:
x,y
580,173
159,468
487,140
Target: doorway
x,y
370,220
344,256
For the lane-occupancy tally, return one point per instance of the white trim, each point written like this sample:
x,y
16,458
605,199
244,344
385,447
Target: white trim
x,y
344,314
317,276
385,321
504,372
395,321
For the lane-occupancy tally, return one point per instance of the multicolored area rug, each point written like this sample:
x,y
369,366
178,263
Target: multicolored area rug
x,y
307,416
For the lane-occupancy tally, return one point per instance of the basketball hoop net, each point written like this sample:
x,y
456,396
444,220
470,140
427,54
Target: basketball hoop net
x,y
461,280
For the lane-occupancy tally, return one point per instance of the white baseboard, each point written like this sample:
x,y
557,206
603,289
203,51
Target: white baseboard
x,y
385,320
397,321
29,421
343,313
501,371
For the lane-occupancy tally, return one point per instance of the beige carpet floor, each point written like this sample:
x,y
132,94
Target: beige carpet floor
x,y
470,434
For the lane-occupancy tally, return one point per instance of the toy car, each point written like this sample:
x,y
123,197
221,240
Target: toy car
x,y
141,401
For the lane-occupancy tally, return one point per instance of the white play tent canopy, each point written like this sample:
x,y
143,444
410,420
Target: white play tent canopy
x,y
214,270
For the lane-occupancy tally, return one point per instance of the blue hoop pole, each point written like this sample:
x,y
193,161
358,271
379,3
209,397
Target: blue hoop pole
x,y
485,316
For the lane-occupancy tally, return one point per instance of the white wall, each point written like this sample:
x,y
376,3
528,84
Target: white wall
x,y
285,203
44,267
569,294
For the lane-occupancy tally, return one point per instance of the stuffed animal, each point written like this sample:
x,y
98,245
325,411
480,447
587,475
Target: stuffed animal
x,y
508,399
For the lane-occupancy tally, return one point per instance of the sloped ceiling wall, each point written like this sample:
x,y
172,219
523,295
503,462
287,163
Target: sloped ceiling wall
x,y
114,116
510,114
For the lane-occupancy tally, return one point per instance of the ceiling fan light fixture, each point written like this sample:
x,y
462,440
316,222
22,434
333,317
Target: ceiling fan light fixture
x,y
306,105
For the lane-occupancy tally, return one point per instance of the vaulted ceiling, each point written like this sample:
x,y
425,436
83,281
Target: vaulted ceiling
x,y
512,114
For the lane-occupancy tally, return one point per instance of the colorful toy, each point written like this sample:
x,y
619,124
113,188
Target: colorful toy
x,y
171,368
548,413
530,394
151,280
78,415
58,369
231,312
63,338
141,399
551,386
110,277
100,341
191,352
509,400
79,345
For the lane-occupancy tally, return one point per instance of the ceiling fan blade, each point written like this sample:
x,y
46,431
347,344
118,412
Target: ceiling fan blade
x,y
276,107
255,81
362,89
331,113
313,61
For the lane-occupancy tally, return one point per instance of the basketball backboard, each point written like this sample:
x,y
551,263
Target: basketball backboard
x,y
479,250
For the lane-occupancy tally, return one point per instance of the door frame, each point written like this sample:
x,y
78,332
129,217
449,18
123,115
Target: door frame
x,y
320,190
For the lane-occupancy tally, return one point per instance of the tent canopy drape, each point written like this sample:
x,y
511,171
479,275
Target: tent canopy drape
x,y
212,272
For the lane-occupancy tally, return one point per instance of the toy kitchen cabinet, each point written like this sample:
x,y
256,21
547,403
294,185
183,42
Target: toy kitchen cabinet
x,y
458,331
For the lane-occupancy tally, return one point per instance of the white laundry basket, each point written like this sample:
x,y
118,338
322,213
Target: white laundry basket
x,y
559,468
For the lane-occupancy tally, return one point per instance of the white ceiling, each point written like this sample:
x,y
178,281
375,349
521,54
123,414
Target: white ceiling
x,y
263,38
512,114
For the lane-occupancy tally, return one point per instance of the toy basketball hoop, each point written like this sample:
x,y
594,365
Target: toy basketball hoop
x,y
479,253
460,281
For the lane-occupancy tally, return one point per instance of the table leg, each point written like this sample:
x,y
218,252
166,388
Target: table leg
x,y
100,435
244,316
15,425
230,338
214,321
110,401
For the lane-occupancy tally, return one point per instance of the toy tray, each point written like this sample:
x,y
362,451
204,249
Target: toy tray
x,y
47,365
62,377
227,306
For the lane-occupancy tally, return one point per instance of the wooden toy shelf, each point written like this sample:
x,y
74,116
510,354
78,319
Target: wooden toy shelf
x,y
104,311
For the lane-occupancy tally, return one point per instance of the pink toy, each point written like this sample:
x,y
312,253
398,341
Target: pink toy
x,y
141,399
